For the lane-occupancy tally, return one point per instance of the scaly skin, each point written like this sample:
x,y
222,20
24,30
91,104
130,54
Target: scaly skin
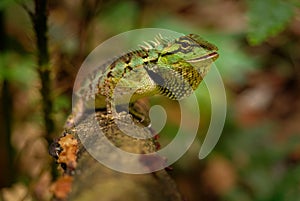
x,y
169,68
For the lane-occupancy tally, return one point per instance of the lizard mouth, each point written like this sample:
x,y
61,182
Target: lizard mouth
x,y
213,56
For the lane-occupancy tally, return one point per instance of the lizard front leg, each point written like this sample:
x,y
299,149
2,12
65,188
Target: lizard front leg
x,y
140,110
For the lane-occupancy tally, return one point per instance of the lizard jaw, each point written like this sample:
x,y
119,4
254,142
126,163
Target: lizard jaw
x,y
213,56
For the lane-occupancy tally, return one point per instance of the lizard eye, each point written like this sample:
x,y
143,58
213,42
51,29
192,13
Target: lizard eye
x,y
185,44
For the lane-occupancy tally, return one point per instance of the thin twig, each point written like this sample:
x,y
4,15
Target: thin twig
x,y
39,20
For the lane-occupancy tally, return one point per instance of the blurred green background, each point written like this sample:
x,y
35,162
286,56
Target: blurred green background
x,y
258,155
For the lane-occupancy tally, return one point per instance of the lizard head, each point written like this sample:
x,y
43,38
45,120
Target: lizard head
x,y
190,48
189,51
182,64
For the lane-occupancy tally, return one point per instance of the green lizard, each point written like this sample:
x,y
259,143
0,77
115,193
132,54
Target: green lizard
x,y
169,68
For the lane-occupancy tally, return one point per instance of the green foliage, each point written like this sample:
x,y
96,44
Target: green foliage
x,y
16,68
261,162
167,21
120,17
60,103
267,18
233,58
5,3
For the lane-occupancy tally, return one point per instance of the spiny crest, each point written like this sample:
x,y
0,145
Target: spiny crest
x,y
159,40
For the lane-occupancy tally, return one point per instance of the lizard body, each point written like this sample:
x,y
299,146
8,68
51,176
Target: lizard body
x,y
169,68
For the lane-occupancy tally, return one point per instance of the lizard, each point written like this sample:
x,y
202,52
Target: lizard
x,y
172,68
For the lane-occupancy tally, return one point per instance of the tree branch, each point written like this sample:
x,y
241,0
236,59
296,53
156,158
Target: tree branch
x,y
86,179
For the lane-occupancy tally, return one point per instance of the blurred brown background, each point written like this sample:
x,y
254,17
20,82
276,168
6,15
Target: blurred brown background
x,y
258,155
